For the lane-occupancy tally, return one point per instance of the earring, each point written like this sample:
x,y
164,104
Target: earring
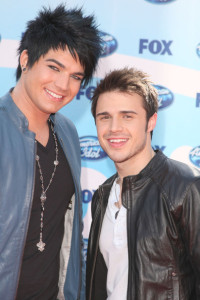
x,y
23,69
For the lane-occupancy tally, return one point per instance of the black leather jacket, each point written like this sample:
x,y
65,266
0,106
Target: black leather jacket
x,y
163,232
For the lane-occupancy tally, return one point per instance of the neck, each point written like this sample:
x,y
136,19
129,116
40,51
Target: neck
x,y
135,165
41,135
37,120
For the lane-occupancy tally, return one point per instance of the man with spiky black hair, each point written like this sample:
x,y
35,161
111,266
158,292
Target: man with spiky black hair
x,y
40,194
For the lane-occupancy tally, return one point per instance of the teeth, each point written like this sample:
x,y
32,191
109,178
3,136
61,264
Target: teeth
x,y
53,94
118,140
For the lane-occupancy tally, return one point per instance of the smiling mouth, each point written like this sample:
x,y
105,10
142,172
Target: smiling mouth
x,y
59,97
117,140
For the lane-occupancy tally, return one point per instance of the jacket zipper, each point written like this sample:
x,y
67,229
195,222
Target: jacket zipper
x,y
97,245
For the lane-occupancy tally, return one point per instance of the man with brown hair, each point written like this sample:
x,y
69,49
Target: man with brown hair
x,y
145,239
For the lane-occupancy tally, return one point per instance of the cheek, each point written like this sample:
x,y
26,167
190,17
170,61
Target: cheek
x,y
139,126
100,132
76,89
36,79
74,84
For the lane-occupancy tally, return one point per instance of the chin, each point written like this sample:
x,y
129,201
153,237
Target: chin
x,y
118,159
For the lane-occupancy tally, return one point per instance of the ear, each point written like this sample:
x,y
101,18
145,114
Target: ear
x,y
24,59
152,122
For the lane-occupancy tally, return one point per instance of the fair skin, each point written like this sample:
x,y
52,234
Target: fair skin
x,y
51,83
123,131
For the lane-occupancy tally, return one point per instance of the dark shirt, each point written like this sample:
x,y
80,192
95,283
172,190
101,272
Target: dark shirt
x,y
40,270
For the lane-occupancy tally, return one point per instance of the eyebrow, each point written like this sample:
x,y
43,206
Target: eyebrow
x,y
56,62
121,112
62,66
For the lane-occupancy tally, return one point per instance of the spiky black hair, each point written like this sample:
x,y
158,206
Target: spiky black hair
x,y
58,28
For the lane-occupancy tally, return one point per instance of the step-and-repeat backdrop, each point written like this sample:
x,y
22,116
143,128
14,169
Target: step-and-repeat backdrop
x,y
161,37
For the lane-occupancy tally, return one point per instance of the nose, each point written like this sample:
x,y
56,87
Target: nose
x,y
116,125
62,82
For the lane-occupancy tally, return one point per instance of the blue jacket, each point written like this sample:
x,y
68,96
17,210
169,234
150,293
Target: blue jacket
x,y
17,177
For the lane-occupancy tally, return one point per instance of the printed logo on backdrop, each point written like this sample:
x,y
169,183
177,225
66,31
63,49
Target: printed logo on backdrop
x,y
90,181
165,96
161,47
198,49
188,155
198,100
157,147
194,156
160,1
90,148
87,92
109,44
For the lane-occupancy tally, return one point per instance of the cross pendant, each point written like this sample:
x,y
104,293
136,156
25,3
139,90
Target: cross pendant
x,y
41,246
43,197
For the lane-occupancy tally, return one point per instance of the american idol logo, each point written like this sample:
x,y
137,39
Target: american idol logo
x,y
160,1
109,44
165,96
90,148
198,49
194,156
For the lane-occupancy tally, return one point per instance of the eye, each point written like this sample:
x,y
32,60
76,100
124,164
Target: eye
x,y
127,117
106,117
53,68
102,117
76,77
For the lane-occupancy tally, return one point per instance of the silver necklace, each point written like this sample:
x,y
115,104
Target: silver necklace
x,y
43,196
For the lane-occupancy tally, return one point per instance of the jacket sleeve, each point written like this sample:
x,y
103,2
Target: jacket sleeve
x,y
93,203
82,296
190,222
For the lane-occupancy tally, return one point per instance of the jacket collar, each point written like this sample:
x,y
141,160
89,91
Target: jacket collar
x,y
155,164
15,114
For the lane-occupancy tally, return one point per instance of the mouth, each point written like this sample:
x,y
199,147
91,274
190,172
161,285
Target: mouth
x,y
54,95
117,142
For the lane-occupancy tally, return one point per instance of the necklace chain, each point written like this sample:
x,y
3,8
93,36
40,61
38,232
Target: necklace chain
x,y
43,197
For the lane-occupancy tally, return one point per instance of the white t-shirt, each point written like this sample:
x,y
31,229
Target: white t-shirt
x,y
113,246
